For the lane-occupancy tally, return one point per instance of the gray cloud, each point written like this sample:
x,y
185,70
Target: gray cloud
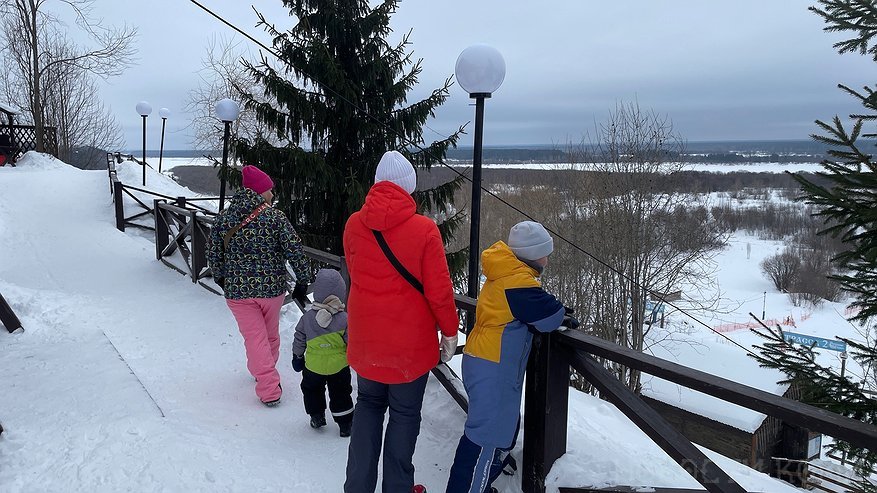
x,y
747,69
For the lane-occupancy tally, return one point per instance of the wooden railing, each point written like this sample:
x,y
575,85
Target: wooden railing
x,y
145,209
813,477
547,391
182,229
185,231
24,138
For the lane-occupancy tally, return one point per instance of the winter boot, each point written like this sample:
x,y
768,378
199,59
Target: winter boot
x,y
344,428
509,465
318,420
275,401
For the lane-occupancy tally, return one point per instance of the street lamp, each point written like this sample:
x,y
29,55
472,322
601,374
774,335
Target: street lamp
x,y
228,111
164,113
144,109
480,70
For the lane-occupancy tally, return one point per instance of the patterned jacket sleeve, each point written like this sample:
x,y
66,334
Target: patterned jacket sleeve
x,y
291,245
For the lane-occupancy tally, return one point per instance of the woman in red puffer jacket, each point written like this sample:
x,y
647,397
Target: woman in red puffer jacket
x,y
392,340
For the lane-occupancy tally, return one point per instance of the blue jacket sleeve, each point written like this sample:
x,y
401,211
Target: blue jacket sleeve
x,y
533,306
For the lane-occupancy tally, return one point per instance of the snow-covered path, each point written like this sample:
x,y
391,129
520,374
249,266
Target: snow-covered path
x,y
77,419
94,302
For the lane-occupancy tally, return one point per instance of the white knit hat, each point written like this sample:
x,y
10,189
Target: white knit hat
x,y
395,168
530,241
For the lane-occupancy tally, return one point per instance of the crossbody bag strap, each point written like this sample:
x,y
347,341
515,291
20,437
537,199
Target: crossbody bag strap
x,y
247,220
382,242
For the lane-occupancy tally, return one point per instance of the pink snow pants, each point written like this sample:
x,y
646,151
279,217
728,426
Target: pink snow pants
x,y
259,322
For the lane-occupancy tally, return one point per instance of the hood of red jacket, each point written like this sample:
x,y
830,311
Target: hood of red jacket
x,y
386,205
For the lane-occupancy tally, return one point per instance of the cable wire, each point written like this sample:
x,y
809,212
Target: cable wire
x,y
441,161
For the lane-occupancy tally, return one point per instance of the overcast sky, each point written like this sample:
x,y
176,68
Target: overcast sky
x,y
747,69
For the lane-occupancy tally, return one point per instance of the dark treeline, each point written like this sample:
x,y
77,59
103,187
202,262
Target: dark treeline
x,y
683,181
204,179
502,155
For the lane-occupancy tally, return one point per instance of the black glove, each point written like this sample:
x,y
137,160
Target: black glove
x,y
300,293
570,323
568,311
298,363
220,281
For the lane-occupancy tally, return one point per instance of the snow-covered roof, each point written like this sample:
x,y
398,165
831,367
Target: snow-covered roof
x,y
723,360
7,108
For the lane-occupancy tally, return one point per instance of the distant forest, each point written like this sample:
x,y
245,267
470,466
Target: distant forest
x,y
731,152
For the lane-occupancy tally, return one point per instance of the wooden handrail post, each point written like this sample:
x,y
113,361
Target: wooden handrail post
x,y
8,317
198,259
545,410
161,228
119,207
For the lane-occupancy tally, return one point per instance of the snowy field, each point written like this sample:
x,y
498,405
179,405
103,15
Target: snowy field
x,y
130,378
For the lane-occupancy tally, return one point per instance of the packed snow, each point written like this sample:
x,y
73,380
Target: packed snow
x,y
129,377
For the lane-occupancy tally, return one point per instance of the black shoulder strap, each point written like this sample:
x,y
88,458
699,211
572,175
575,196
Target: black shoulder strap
x,y
395,261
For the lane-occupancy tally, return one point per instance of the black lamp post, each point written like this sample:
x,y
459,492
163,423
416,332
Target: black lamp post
x,y
144,109
164,113
228,111
480,70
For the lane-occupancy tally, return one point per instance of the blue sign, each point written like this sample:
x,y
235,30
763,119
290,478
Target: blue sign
x,y
816,342
654,307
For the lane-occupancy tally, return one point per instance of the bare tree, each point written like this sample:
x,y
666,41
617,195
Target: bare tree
x,y
30,27
645,241
222,75
72,105
782,269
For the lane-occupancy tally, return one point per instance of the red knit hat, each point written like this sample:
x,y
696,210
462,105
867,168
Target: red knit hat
x,y
256,179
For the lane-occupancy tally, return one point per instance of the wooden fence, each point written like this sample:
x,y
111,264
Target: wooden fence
x,y
145,208
547,391
185,230
24,138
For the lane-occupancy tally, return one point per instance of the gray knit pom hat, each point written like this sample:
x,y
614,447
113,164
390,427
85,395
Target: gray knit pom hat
x,y
530,241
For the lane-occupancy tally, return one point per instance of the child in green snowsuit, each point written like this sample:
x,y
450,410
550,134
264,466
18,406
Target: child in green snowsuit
x,y
320,353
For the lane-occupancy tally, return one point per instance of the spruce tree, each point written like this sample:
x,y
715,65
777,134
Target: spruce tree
x,y
823,387
847,201
848,205
334,102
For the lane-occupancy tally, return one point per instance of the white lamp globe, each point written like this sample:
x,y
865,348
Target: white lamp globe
x,y
480,69
144,108
164,112
227,110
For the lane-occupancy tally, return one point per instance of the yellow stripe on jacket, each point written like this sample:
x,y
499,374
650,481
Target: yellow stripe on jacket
x,y
503,271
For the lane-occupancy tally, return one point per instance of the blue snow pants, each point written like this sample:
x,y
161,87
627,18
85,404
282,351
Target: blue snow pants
x,y
475,467
405,401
